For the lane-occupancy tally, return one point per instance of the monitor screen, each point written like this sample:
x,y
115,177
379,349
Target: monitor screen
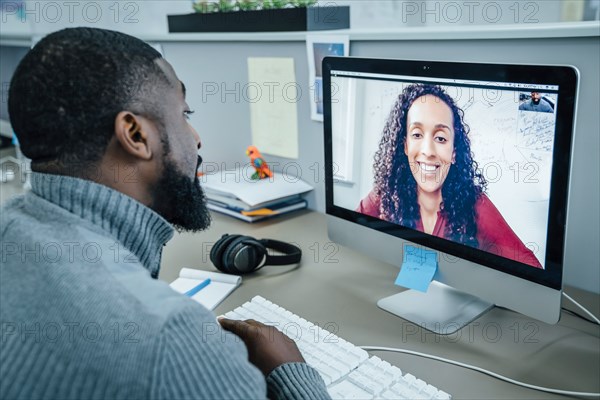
x,y
468,159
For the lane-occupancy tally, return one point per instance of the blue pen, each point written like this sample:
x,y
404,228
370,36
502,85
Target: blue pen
x,y
198,288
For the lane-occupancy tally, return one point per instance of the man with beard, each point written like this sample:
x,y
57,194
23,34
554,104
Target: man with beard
x,y
536,103
103,118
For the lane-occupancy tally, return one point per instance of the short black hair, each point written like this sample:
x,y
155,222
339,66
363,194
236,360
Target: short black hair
x,y
67,91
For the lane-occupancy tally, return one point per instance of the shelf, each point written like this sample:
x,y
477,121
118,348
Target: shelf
x,y
476,32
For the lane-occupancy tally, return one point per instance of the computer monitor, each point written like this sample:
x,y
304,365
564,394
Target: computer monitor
x,y
469,160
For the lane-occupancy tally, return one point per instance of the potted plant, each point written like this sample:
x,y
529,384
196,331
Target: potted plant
x,y
260,16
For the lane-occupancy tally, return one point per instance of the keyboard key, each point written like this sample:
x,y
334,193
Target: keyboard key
x,y
388,394
419,385
396,372
243,312
361,354
373,375
350,360
311,360
429,391
338,365
233,315
374,361
323,366
409,379
402,392
365,382
326,378
348,390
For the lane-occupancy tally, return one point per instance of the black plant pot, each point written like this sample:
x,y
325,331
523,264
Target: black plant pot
x,y
276,20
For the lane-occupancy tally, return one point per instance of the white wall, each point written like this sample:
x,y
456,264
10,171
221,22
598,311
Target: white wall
x,y
39,17
397,13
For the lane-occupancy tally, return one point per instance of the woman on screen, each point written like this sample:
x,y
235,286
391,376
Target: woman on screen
x,y
426,178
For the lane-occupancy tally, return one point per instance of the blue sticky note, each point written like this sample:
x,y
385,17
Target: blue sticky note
x,y
418,268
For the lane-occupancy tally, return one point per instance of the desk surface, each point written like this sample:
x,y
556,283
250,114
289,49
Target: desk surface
x,y
338,288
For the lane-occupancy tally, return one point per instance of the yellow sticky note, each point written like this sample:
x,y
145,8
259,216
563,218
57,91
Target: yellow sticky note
x,y
273,94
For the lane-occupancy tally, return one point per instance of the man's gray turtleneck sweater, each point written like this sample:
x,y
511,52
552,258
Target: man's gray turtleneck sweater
x,y
82,317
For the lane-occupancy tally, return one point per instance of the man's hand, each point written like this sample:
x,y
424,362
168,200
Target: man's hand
x,y
268,348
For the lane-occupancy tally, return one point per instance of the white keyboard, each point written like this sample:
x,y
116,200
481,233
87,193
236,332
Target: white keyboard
x,y
347,370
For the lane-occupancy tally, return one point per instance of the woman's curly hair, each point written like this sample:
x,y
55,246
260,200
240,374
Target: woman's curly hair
x,y
396,187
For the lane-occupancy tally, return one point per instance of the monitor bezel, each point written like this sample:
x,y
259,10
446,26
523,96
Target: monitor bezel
x,y
565,77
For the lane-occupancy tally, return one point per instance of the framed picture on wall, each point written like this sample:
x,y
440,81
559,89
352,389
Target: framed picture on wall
x,y
319,47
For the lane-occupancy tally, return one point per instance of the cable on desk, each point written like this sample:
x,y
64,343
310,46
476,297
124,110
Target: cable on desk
x,y
576,314
592,316
484,371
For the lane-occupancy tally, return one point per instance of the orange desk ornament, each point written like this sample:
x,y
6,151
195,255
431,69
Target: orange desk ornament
x,y
259,164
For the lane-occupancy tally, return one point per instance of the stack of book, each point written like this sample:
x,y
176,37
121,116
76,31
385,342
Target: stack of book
x,y
234,193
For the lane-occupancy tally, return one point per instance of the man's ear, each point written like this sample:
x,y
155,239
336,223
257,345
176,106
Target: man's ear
x,y
132,133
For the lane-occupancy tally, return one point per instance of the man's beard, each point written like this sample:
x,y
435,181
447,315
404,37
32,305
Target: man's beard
x,y
181,200
536,101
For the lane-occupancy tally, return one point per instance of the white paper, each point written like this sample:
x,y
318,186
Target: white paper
x,y
272,92
214,276
213,294
317,48
252,192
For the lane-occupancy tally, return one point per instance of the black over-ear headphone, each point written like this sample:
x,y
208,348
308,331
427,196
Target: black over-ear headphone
x,y
238,254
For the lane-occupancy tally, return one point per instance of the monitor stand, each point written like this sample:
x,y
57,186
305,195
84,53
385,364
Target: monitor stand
x,y
443,309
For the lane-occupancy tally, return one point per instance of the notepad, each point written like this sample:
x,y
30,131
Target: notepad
x,y
213,294
237,184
